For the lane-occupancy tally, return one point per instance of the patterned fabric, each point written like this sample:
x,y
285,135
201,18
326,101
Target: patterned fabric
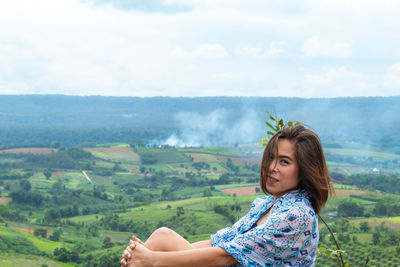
x,y
289,237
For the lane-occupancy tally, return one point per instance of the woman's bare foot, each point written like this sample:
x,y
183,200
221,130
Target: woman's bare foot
x,y
127,255
137,239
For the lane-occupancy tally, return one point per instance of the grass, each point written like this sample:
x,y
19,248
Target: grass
x,y
44,244
395,219
86,218
206,221
218,167
363,237
376,221
128,157
113,145
158,167
161,155
202,157
14,259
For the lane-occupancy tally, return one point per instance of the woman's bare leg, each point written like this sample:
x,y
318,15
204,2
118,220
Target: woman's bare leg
x,y
165,239
162,239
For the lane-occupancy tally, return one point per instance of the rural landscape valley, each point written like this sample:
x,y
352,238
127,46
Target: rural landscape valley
x,y
79,206
77,202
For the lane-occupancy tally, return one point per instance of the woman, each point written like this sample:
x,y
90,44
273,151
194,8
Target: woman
x,y
279,230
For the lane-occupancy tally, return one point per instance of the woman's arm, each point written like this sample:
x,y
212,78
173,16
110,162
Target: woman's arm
x,y
200,257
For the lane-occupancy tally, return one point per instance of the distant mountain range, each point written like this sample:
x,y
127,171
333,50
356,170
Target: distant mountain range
x,y
72,120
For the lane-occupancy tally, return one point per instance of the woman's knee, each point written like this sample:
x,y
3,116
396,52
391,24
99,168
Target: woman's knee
x,y
164,232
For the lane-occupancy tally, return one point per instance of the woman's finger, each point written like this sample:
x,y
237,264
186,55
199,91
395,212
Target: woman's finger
x,y
123,262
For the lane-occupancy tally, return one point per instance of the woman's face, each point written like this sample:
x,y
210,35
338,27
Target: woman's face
x,y
284,170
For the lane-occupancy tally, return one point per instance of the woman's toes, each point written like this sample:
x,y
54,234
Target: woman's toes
x,y
137,239
126,254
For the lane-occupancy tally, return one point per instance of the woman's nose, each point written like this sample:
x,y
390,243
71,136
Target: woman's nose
x,y
273,167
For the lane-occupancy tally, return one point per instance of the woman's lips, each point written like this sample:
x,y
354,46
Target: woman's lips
x,y
272,180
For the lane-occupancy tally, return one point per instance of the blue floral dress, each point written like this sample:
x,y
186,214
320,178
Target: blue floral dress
x,y
289,236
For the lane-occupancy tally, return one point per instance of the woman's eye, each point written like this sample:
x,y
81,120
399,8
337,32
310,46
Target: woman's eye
x,y
284,162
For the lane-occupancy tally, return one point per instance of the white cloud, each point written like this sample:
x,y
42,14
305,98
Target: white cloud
x,y
247,50
215,47
392,77
275,49
316,47
329,77
211,51
334,81
215,51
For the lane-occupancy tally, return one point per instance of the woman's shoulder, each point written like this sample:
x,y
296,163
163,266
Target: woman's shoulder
x,y
295,202
262,201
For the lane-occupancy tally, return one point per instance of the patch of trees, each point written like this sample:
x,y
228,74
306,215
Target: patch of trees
x,y
16,175
388,184
253,167
57,213
105,259
387,207
62,159
384,237
232,166
40,232
148,158
61,195
350,209
103,171
115,223
31,197
201,165
99,192
10,214
64,255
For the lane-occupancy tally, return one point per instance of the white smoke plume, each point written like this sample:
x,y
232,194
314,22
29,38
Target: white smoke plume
x,y
218,127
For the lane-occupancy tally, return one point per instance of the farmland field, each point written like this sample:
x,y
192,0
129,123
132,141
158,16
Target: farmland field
x,y
14,259
116,154
4,200
242,191
28,150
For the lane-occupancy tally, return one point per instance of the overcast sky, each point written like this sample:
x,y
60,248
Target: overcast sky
x,y
298,48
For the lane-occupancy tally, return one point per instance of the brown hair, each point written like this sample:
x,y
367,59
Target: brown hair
x,y
313,172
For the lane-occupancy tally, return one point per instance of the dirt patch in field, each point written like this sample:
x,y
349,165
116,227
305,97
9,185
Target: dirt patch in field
x,y
242,191
28,150
109,149
348,192
133,170
26,230
5,200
